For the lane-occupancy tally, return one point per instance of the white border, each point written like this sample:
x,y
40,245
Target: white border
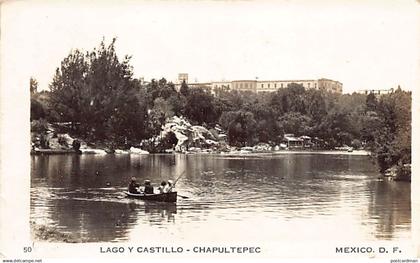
x,y
15,179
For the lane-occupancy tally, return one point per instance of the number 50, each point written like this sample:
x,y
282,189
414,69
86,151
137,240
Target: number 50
x,y
27,249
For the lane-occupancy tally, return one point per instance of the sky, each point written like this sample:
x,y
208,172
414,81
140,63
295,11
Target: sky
x,y
363,44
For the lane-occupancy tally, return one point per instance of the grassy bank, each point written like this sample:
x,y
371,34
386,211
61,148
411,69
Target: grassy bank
x,y
52,234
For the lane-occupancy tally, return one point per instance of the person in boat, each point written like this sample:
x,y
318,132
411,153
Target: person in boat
x,y
168,187
148,188
133,187
162,187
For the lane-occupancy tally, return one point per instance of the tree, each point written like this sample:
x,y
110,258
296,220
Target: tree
x,y
371,102
163,107
372,126
316,107
296,123
114,110
161,88
403,124
177,103
267,126
33,84
279,102
226,118
169,141
200,108
392,144
39,126
98,91
184,90
37,110
241,127
68,88
264,132
296,96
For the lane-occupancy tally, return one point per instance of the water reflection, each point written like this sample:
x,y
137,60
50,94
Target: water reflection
x,y
81,194
160,211
390,205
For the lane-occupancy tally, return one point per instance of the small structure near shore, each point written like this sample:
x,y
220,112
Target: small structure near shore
x,y
291,141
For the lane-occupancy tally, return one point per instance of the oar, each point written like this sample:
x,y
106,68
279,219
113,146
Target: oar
x,y
182,196
173,185
178,178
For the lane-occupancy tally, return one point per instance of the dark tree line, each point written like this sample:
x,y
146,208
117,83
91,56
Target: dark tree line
x,y
386,128
98,95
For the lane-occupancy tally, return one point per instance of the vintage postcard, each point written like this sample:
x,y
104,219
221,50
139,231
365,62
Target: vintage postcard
x,y
185,130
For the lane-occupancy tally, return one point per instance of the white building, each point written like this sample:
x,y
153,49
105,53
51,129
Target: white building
x,y
273,85
182,77
265,85
376,91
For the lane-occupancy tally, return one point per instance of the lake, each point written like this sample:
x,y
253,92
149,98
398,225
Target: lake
x,y
289,197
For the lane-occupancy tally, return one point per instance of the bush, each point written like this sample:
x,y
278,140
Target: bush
x,y
404,172
76,145
43,142
356,144
39,126
168,142
62,140
37,110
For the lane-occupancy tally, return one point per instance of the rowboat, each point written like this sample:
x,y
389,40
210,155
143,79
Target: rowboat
x,y
164,197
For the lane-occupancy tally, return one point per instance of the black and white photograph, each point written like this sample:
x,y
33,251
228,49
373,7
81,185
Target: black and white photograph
x,y
209,129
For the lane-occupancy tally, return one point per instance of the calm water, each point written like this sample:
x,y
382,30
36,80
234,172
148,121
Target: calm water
x,y
268,197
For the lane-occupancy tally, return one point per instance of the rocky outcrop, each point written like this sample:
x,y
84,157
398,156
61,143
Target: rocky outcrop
x,y
138,151
188,136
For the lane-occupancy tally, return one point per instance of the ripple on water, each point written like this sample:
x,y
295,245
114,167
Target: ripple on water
x,y
281,193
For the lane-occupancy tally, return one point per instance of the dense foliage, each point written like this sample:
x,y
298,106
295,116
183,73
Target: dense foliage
x,y
386,127
97,94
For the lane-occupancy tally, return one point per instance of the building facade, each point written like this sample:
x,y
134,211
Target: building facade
x,y
323,84
376,91
273,85
330,85
244,85
221,85
182,77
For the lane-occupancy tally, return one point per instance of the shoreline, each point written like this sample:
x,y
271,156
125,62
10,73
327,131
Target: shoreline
x,y
284,152
42,232
226,154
